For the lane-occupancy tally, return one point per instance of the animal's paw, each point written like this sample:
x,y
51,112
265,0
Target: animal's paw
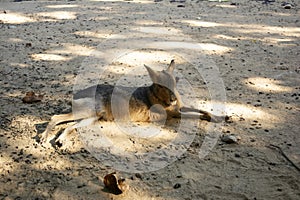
x,y
228,119
61,141
46,142
64,145
43,138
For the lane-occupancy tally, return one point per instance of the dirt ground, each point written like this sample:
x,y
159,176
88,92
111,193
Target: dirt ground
x,y
254,45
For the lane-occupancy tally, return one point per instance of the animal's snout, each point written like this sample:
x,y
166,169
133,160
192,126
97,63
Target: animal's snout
x,y
178,98
174,100
174,103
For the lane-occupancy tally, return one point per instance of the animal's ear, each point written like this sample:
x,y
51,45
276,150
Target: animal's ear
x,y
153,74
171,66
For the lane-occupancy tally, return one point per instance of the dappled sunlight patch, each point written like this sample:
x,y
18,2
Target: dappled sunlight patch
x,y
101,18
117,36
6,161
132,1
199,23
139,58
135,137
281,14
3,160
15,94
158,30
263,29
240,110
15,40
72,49
15,18
267,85
226,37
207,47
19,65
215,47
54,164
137,146
58,15
281,41
92,34
235,38
247,28
105,0
131,65
267,40
250,112
118,69
148,22
49,57
226,6
62,6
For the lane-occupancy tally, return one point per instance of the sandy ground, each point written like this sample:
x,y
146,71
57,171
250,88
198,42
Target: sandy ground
x,y
254,45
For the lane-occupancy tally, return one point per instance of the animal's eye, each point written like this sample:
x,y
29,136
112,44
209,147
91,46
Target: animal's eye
x,y
173,97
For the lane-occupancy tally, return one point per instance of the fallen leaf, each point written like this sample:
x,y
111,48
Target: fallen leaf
x,y
31,97
113,184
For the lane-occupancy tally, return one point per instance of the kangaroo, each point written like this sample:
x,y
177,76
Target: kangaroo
x,y
156,102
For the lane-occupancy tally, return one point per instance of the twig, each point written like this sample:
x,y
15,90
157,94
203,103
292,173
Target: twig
x,y
272,146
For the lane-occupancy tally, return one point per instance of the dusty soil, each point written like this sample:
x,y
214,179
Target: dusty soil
x,y
254,44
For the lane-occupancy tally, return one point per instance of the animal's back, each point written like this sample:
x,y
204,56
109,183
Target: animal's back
x,y
112,102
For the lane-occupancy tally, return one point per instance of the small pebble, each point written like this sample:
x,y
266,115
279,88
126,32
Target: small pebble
x,y
287,5
237,155
229,139
138,176
176,186
28,44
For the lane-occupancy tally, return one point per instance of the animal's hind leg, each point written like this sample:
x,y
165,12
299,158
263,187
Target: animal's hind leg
x,y
56,119
85,122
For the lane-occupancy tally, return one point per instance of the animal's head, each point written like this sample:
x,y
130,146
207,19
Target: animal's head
x,y
164,85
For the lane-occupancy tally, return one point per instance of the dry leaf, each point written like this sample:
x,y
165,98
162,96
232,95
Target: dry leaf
x,y
114,185
31,97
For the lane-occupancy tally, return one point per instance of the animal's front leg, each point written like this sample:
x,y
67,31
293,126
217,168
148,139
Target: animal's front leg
x,y
190,109
201,114
62,139
56,119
